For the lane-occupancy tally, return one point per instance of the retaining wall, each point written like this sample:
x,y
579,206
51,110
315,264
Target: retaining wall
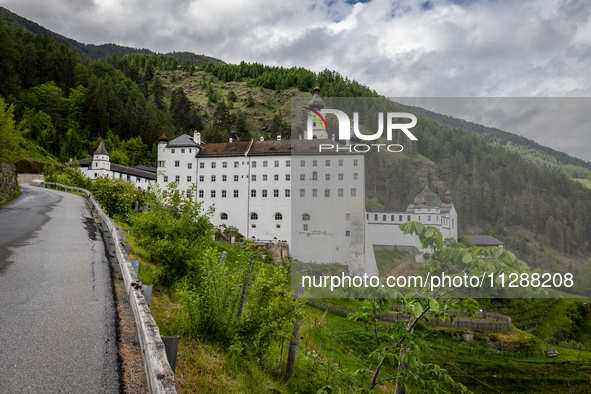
x,y
28,178
9,188
159,374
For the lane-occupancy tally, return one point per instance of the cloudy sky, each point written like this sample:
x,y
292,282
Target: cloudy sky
x,y
435,48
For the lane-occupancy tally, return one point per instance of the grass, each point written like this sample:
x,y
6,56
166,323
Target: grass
x,y
586,182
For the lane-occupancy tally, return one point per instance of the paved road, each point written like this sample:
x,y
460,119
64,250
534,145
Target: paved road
x,y
57,311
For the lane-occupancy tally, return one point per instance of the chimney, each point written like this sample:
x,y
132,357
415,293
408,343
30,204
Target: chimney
x,y
197,137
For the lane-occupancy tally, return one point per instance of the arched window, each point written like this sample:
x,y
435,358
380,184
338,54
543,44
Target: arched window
x,y
278,216
314,176
306,216
254,216
224,216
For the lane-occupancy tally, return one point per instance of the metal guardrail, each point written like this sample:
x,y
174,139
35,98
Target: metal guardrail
x,y
159,374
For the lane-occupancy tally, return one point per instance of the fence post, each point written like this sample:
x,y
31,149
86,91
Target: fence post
x,y
171,346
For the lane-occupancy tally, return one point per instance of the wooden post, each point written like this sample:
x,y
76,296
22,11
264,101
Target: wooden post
x,y
291,353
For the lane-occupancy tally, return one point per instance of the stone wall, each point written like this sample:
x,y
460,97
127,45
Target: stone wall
x,y
9,188
28,178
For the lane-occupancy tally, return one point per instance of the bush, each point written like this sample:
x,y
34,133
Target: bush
x,y
116,196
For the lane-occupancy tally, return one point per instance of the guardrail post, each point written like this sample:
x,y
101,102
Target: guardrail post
x,y
171,346
147,289
136,266
126,248
123,236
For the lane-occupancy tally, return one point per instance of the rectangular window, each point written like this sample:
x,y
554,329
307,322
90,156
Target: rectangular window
x,y
213,178
302,163
236,164
341,163
164,192
341,192
302,193
225,164
235,193
400,218
177,178
355,163
137,178
347,216
429,218
275,193
327,177
235,178
408,218
172,151
302,177
254,164
223,194
347,233
341,177
326,192
288,163
353,192
355,176
287,193
213,194
253,225
375,216
201,165
213,164
288,177
314,163
165,178
276,163
265,163
188,193
183,150
224,178
314,192
305,227
253,178
264,177
275,177
201,178
264,193
177,163
327,163
391,218
189,165
189,178
253,193
200,193
383,218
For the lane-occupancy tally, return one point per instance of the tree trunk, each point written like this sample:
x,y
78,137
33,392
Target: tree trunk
x,y
243,294
401,367
291,353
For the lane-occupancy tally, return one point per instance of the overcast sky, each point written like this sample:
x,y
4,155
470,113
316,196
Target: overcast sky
x,y
479,48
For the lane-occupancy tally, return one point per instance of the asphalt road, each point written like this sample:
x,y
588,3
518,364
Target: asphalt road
x,y
57,310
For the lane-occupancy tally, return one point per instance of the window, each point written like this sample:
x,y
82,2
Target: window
x,y
383,218
236,164
288,163
183,150
305,227
275,177
302,193
391,218
314,192
355,176
327,177
314,163
347,233
265,163
264,193
189,193
254,164
189,165
164,192
235,193
276,163
213,178
201,193
213,164
177,178
302,177
275,193
341,163
253,193
224,178
160,163
190,150
177,163
429,218
341,192
253,225
224,216
278,225
165,177
355,163
419,218
253,178
201,165
347,216
201,178
306,216
254,216
278,216
326,192
288,177
408,218
225,164
375,216
264,177
235,178
400,218
353,192
327,163
189,178
287,193
213,194
302,163
223,194
172,151
341,177
314,176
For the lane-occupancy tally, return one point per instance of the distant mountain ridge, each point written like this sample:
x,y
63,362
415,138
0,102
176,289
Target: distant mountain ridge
x,y
530,150
96,51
